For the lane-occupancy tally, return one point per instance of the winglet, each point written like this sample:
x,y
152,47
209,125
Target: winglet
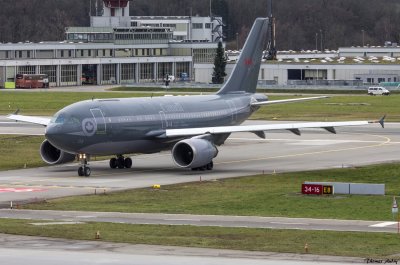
x,y
381,121
16,112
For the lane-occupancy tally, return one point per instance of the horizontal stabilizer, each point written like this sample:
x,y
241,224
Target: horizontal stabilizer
x,y
280,101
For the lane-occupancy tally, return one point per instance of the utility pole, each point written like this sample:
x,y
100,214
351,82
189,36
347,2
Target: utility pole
x,y
271,45
320,32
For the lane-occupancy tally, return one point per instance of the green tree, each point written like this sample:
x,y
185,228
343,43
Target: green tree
x,y
219,65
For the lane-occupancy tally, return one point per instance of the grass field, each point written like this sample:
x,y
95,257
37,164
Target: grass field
x,y
18,151
49,102
339,107
264,195
363,245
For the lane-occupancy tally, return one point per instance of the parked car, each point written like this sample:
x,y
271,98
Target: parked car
x,y
378,90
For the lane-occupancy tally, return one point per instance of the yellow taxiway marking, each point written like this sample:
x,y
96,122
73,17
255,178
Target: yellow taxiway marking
x,y
386,141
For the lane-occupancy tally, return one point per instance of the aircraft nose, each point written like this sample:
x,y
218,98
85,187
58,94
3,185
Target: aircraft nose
x,y
53,133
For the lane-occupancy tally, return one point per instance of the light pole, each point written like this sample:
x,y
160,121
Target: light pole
x,y
316,41
363,31
320,33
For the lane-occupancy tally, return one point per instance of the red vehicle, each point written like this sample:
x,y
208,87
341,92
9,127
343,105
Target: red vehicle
x,y
31,81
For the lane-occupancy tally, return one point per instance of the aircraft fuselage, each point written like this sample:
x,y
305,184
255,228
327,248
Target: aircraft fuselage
x,y
137,125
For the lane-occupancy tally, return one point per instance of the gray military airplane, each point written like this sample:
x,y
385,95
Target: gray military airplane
x,y
192,126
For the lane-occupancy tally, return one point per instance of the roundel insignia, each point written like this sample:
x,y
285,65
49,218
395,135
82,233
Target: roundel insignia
x,y
89,127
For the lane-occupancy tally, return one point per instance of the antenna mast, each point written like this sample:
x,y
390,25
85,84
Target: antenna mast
x,y
271,45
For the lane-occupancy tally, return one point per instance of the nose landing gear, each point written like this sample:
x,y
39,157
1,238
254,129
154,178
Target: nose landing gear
x,y
84,169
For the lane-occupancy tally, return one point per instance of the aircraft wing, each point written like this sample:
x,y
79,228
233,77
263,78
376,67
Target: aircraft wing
x,y
259,129
270,102
30,119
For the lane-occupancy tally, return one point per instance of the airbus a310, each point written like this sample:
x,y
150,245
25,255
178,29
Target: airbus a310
x,y
191,126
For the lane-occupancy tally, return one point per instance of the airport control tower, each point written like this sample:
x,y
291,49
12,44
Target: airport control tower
x,y
111,13
116,8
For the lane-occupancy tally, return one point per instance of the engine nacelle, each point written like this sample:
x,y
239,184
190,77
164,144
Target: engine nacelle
x,y
52,155
193,153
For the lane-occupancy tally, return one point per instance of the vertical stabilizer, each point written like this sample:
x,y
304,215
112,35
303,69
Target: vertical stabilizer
x,y
244,76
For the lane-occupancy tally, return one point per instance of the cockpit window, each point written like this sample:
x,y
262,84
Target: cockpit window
x,y
73,121
58,119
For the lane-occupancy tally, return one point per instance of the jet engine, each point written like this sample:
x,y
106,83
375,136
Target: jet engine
x,y
52,155
194,153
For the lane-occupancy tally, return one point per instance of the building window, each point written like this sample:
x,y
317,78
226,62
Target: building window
x,y
90,53
62,53
127,73
197,25
68,75
50,71
109,74
208,25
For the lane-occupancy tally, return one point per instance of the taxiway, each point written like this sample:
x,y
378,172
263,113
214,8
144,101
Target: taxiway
x,y
243,154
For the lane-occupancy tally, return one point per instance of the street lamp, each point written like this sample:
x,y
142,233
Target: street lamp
x,y
316,41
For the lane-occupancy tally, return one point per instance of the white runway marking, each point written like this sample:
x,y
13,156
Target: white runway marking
x,y
384,224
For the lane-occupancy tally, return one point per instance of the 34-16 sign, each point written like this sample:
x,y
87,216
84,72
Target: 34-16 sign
x,y
315,189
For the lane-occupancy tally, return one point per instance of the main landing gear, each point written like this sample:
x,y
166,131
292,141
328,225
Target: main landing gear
x,y
84,169
120,162
209,166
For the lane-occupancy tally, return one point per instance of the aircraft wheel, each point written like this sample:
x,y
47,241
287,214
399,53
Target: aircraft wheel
x,y
128,162
87,171
80,171
120,162
210,165
113,163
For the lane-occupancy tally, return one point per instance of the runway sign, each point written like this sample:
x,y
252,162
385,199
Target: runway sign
x,y
314,189
311,189
20,190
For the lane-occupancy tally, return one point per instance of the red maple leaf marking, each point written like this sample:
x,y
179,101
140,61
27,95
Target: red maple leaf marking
x,y
248,61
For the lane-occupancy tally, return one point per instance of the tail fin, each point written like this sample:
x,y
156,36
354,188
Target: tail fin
x,y
244,76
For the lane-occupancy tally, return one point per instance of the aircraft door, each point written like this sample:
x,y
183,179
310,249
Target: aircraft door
x,y
100,121
232,108
163,118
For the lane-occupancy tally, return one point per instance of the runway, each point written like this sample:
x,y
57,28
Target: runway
x,y
71,217
243,154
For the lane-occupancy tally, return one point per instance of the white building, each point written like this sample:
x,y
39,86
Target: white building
x,y
118,49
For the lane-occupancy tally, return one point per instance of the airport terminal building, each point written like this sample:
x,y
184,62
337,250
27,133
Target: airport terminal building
x,y
117,49
122,49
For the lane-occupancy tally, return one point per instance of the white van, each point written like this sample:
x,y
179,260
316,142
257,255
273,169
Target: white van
x,y
378,90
